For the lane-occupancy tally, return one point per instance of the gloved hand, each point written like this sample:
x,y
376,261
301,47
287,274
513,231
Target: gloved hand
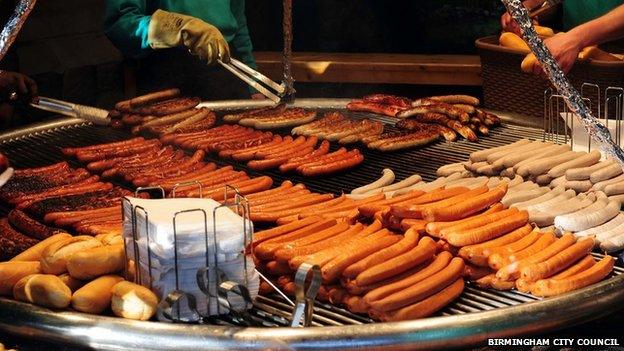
x,y
170,29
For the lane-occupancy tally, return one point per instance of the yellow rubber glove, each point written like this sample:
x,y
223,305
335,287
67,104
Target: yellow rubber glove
x,y
170,29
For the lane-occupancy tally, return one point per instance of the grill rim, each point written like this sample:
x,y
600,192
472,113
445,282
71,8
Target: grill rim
x,y
421,334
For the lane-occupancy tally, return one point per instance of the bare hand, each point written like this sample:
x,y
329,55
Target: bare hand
x,y
14,86
508,24
565,48
257,96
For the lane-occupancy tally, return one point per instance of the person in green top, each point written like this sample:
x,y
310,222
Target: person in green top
x,y
160,34
588,23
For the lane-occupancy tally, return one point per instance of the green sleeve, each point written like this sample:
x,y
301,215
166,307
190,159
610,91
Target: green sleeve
x,y
242,42
126,25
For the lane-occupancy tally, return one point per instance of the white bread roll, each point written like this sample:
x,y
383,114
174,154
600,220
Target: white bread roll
x,y
95,296
34,253
96,261
12,272
44,290
133,301
55,256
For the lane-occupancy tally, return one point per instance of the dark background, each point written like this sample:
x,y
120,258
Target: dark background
x,y
63,48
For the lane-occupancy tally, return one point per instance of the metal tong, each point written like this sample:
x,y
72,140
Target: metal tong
x,y
254,78
88,113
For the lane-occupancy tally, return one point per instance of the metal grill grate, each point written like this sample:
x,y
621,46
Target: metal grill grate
x,y
42,148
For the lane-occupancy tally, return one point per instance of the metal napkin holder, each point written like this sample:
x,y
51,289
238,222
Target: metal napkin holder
x,y
169,307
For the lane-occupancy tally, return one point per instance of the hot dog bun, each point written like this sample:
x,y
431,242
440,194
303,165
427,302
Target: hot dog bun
x,y
55,256
96,261
35,253
44,290
133,301
95,296
11,272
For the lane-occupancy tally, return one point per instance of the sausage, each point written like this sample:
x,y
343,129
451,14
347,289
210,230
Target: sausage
x,y
475,253
426,307
332,270
425,250
591,216
71,151
447,170
387,178
584,173
540,199
582,161
439,263
282,230
512,271
295,162
524,195
266,248
603,228
12,242
353,158
543,165
496,255
481,155
370,208
551,287
435,199
410,258
465,208
282,253
22,222
611,171
434,228
275,162
472,272
322,257
272,215
457,99
422,289
476,222
489,231
558,262
501,160
583,264
288,253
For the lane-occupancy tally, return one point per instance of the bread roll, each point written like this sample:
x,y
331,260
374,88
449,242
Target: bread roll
x,y
55,256
110,239
44,290
97,261
72,283
96,295
34,253
133,301
11,272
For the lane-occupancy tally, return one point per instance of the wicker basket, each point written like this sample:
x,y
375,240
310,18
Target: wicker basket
x,y
507,88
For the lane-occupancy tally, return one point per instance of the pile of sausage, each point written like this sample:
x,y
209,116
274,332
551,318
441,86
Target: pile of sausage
x,y
335,126
149,163
562,173
162,112
368,269
446,115
81,272
263,150
272,117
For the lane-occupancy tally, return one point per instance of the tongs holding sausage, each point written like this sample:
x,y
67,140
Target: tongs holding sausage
x,y
88,113
255,79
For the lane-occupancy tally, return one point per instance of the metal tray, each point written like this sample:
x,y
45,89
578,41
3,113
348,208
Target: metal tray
x,y
458,326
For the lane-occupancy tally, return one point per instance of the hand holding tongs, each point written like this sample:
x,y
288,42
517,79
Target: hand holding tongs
x,y
88,113
254,78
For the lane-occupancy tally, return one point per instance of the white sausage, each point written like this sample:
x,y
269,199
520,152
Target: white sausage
x,y
596,214
583,173
487,170
387,177
449,169
565,196
582,161
517,180
618,198
606,235
492,158
549,195
614,189
605,173
600,186
580,186
508,172
521,196
543,179
556,182
616,221
521,153
613,244
523,186
482,155
409,181
549,151
543,165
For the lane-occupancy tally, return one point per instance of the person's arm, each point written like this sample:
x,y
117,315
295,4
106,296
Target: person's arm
x,y
126,25
566,46
241,43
